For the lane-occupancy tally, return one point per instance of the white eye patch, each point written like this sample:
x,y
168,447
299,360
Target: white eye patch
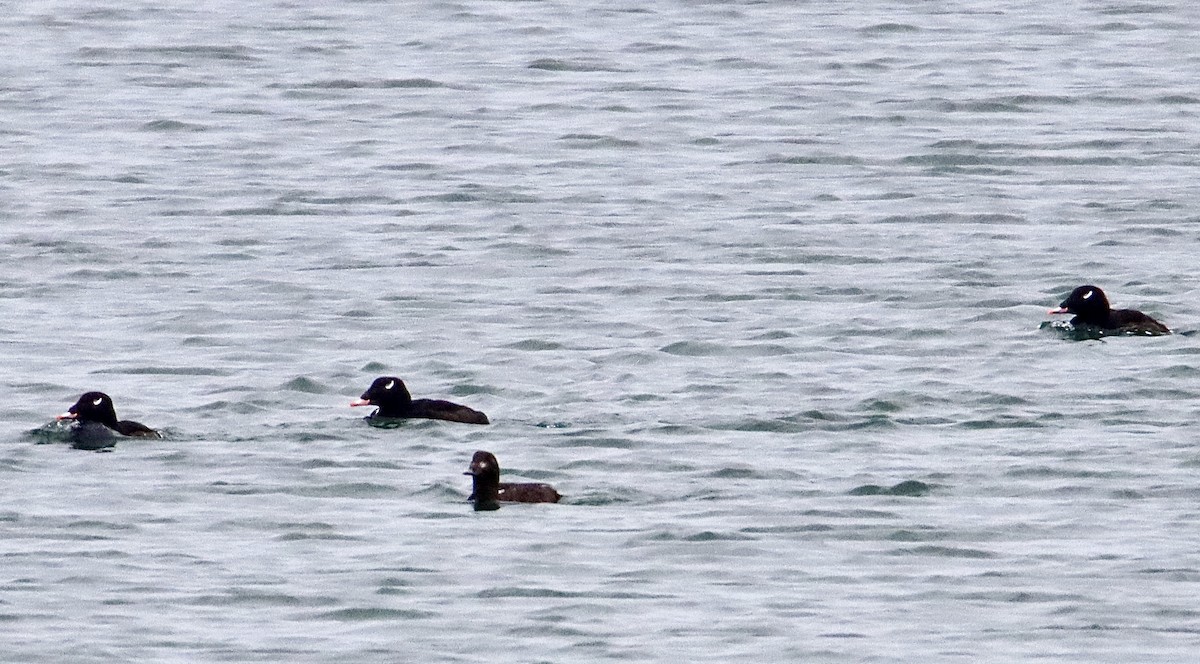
x,y
1089,294
97,402
390,385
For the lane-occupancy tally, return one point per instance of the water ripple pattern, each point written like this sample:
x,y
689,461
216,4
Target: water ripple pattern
x,y
758,286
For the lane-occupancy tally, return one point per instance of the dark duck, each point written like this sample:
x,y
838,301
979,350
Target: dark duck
x,y
394,402
1090,307
97,423
488,491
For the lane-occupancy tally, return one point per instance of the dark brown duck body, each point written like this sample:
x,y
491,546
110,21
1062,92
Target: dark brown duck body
x,y
391,397
488,491
1090,306
98,421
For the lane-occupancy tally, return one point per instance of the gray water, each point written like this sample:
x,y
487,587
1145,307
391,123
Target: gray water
x,y
710,268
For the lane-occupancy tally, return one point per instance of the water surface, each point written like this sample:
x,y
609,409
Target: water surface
x,y
711,269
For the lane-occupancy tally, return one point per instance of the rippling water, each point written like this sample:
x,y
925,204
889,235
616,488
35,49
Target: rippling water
x,y
723,273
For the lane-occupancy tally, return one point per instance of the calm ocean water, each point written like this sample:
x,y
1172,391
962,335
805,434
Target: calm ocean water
x,y
710,268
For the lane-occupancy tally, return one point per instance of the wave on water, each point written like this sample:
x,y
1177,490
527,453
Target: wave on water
x,y
908,488
1071,332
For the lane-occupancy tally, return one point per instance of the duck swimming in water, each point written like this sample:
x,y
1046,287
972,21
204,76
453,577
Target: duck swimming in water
x,y
97,422
1090,307
394,402
488,491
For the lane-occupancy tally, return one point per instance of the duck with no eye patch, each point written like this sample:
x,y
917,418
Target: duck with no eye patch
x,y
97,420
488,491
1090,307
394,402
